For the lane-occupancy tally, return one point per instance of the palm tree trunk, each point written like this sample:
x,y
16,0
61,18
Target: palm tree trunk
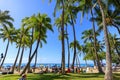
x,y
94,60
30,49
5,54
20,61
35,62
86,63
13,68
17,56
74,34
95,48
68,49
63,45
24,70
108,72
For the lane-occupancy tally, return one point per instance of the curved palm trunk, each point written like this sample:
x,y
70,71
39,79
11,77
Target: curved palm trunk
x,y
35,62
19,66
74,34
108,72
13,68
24,70
5,54
63,45
95,48
68,49
94,60
30,49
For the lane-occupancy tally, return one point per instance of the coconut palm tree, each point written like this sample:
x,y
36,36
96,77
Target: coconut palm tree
x,y
88,37
87,7
28,22
6,34
18,41
72,13
41,25
58,24
61,3
108,72
78,49
5,19
112,19
114,43
89,50
24,42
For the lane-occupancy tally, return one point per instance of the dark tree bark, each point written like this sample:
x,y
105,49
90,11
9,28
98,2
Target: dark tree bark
x,y
14,65
21,57
63,45
35,62
30,50
68,49
74,35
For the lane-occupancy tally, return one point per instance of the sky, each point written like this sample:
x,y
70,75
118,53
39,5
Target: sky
x,y
50,52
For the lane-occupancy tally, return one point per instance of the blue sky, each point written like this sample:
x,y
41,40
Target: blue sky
x,y
50,52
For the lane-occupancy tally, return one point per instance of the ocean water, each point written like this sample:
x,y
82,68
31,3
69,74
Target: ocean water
x,y
46,64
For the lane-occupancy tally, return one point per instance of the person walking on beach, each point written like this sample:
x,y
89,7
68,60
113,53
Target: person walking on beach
x,y
23,77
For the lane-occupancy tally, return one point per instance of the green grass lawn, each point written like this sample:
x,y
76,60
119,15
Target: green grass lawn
x,y
52,76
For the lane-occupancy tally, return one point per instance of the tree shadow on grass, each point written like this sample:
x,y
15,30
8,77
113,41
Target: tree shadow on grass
x,y
71,76
67,76
90,75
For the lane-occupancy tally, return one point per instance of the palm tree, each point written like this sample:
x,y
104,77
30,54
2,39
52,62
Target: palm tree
x,y
60,3
28,22
7,34
18,40
88,36
112,18
24,41
78,51
5,19
88,6
41,25
89,50
67,38
108,72
72,14
114,43
58,24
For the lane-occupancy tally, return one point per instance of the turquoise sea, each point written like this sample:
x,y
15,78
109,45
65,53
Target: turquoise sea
x,y
46,64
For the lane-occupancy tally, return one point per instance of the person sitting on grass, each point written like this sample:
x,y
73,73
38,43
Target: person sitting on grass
x,y
23,77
